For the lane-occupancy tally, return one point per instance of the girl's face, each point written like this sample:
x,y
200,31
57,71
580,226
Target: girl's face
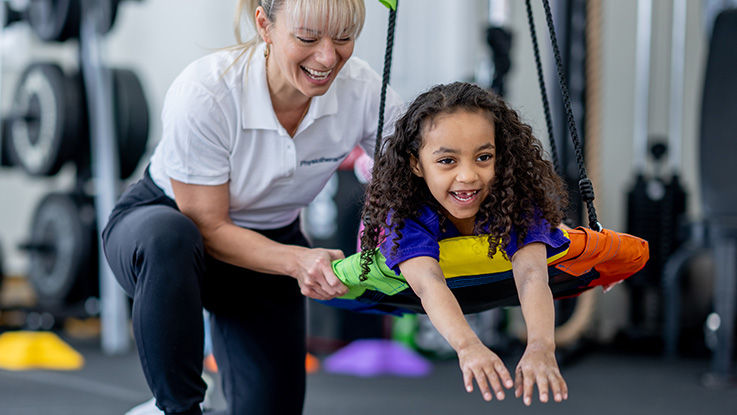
x,y
456,160
302,58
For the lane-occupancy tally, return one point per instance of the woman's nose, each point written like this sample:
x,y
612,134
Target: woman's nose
x,y
326,54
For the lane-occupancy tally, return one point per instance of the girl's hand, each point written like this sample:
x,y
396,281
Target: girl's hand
x,y
479,363
538,366
315,275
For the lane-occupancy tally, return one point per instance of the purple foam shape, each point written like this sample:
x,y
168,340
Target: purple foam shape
x,y
375,357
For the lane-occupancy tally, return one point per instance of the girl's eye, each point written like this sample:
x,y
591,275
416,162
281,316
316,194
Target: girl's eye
x,y
446,161
485,157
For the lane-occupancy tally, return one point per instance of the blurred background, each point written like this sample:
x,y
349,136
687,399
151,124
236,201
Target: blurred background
x,y
653,88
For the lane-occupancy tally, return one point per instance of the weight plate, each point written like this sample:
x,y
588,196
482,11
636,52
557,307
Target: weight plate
x,y
46,118
5,160
108,13
55,20
131,119
63,249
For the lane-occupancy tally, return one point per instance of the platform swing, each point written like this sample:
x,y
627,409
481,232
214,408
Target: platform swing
x,y
594,257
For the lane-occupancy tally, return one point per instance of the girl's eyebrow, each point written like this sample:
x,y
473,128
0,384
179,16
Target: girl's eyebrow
x,y
443,150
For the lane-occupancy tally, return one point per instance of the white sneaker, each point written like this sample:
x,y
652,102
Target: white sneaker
x,y
146,408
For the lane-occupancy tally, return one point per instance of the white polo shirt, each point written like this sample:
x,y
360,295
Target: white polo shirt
x,y
220,127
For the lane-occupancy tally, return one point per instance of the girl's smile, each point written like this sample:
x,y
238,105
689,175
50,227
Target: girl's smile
x,y
457,161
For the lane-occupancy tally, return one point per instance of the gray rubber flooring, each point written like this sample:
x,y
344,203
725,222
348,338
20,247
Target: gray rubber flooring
x,y
600,383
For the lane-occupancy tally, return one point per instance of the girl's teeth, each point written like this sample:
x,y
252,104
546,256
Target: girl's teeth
x,y
464,196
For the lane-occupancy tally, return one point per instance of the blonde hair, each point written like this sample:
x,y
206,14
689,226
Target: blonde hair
x,y
335,18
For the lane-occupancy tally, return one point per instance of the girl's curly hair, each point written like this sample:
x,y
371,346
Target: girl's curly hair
x,y
525,186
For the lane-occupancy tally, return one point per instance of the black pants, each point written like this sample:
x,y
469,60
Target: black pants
x,y
258,320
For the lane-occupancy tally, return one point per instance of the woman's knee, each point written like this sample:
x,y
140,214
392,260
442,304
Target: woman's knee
x,y
169,235
152,240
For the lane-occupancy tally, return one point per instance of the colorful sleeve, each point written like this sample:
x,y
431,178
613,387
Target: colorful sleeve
x,y
419,238
554,239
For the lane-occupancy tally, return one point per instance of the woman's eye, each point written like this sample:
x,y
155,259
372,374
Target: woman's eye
x,y
343,39
306,39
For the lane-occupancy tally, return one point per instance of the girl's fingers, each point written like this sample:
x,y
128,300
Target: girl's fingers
x,y
480,377
495,384
542,387
503,373
528,382
518,383
555,387
468,380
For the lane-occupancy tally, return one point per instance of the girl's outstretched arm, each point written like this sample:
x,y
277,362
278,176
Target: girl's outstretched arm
x,y
538,364
476,360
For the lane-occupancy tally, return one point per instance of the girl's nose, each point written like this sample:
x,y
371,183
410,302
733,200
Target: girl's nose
x,y
466,174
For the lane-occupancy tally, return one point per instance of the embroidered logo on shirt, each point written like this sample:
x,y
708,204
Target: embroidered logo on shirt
x,y
323,160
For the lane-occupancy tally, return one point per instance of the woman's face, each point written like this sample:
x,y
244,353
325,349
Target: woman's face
x,y
303,57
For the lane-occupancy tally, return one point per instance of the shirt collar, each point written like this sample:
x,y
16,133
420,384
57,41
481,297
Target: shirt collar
x,y
257,111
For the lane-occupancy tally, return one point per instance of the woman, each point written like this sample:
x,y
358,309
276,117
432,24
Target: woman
x,y
250,136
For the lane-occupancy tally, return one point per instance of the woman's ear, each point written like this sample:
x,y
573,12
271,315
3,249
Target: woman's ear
x,y
262,24
414,165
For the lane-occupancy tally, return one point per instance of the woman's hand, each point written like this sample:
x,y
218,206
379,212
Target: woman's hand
x,y
538,366
479,363
315,274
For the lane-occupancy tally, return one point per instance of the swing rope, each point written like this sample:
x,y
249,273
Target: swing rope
x,y
585,187
543,90
385,76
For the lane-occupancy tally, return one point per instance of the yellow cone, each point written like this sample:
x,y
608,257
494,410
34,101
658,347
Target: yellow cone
x,y
24,350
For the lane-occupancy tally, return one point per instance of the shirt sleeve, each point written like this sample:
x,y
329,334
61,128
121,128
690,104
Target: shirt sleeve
x,y
195,138
419,238
554,239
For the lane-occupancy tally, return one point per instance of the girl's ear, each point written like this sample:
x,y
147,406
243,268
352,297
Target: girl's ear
x,y
262,24
414,165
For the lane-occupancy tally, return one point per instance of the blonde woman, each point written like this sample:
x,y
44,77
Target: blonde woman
x,y
251,134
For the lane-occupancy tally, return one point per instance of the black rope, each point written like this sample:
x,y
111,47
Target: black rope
x,y
543,90
585,186
385,77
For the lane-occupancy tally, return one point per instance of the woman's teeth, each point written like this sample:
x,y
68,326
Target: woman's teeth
x,y
317,75
464,196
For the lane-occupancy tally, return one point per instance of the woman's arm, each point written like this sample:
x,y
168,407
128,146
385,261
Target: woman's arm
x,y
538,364
476,360
208,207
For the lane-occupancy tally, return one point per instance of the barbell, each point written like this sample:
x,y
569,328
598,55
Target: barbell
x,y
47,125
60,20
63,249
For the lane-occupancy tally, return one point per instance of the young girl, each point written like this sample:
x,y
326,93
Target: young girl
x,y
462,163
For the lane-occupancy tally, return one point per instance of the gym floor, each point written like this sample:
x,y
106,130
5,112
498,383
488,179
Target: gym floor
x,y
601,382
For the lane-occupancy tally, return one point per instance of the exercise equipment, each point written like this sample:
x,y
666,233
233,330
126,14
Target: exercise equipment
x,y
62,249
29,350
131,119
61,20
656,203
593,258
48,121
719,202
5,159
54,20
48,124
